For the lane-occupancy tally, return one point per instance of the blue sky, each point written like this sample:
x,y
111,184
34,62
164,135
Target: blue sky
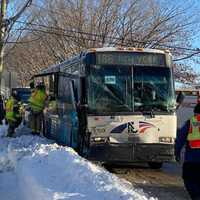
x,y
194,8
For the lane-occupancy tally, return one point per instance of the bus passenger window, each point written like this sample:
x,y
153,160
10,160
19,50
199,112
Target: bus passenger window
x,y
65,95
52,85
53,105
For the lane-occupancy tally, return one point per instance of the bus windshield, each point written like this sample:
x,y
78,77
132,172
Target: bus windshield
x,y
153,89
130,89
109,89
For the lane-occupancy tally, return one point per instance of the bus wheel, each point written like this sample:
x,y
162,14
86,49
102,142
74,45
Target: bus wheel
x,y
155,165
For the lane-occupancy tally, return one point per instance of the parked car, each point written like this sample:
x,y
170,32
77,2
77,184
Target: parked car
x,y
24,94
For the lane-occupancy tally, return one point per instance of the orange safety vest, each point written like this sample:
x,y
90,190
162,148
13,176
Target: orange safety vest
x,y
194,132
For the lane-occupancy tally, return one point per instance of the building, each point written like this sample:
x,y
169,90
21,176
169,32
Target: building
x,y
9,80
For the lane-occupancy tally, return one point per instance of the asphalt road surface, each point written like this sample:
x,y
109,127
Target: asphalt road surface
x,y
165,183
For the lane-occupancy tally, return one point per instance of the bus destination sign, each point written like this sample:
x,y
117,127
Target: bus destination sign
x,y
116,58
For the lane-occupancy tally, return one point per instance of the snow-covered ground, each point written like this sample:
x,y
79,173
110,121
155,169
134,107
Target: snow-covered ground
x,y
32,168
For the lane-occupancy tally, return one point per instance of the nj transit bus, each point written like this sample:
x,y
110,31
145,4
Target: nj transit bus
x,y
114,105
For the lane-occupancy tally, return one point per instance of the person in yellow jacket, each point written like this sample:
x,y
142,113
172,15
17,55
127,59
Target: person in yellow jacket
x,y
13,115
37,103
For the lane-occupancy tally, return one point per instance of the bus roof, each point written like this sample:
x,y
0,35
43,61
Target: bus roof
x,y
56,68
128,49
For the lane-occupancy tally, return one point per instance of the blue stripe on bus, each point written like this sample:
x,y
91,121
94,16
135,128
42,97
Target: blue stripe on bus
x,y
119,129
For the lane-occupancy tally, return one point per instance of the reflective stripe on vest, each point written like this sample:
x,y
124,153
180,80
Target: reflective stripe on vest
x,y
37,100
10,115
194,132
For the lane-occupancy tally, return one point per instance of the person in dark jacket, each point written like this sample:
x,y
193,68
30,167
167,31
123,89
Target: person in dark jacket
x,y
179,99
189,136
2,110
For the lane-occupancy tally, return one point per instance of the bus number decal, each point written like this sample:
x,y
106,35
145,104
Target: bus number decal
x,y
110,80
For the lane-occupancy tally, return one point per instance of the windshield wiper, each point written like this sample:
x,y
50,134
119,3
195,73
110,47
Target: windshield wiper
x,y
147,110
151,109
150,113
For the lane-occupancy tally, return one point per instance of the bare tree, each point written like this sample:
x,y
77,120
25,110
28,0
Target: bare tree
x,y
68,27
6,25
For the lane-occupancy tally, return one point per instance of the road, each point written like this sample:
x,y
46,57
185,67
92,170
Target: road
x,y
165,183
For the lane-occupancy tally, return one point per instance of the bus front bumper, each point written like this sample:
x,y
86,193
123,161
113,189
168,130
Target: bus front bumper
x,y
114,152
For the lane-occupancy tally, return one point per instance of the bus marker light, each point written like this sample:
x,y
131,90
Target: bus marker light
x,y
99,139
139,49
92,50
130,48
120,48
166,51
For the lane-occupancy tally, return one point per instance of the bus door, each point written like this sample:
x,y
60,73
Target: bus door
x,y
51,117
68,119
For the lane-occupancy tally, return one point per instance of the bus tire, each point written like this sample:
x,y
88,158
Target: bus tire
x,y
155,165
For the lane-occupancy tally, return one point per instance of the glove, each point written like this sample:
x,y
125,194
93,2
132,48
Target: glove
x,y
177,158
6,121
28,108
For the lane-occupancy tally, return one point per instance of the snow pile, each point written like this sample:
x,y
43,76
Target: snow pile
x,y
43,170
3,130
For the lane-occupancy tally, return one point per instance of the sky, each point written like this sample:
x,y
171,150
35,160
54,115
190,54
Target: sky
x,y
194,8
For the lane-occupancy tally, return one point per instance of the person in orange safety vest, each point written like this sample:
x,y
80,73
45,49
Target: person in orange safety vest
x,y
189,136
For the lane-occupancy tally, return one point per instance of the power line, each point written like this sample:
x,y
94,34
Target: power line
x,y
196,50
97,40
186,57
52,11
129,42
23,42
70,36
167,46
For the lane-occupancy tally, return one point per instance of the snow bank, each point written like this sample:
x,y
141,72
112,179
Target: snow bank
x,y
46,171
3,130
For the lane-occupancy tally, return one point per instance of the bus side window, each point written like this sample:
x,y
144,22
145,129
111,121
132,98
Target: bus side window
x,y
52,85
64,94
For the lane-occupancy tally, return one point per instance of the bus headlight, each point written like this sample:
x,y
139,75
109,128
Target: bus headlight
x,y
166,140
100,139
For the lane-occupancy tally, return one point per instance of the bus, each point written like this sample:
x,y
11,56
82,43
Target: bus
x,y
113,105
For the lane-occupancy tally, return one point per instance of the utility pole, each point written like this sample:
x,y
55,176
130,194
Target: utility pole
x,y
2,34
